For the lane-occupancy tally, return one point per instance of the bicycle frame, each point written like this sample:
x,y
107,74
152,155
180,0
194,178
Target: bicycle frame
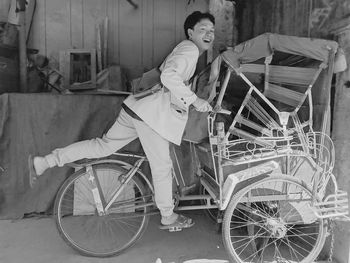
x,y
102,206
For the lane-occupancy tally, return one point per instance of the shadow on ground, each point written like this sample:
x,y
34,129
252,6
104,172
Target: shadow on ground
x,y
36,240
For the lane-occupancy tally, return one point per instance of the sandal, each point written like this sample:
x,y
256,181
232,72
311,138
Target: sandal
x,y
180,223
32,174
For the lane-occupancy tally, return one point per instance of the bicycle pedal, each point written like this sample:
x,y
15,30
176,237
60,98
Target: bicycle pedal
x,y
175,229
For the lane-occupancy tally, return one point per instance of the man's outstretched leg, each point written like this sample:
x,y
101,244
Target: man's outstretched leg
x,y
120,134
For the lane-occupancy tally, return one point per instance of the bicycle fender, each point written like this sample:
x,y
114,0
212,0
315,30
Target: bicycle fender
x,y
125,165
254,173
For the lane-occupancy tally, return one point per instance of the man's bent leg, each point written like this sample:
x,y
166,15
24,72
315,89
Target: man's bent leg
x,y
121,133
157,151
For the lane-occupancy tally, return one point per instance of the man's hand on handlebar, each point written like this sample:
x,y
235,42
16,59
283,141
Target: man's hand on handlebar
x,y
202,105
219,109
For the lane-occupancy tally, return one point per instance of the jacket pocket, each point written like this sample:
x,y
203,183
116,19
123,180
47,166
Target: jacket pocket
x,y
179,112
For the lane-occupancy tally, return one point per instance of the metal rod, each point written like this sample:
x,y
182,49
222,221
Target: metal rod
x,y
223,88
195,207
128,177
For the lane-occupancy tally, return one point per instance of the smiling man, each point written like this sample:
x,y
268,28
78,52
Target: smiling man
x,y
157,120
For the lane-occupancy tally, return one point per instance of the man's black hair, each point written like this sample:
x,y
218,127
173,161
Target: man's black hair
x,y
195,18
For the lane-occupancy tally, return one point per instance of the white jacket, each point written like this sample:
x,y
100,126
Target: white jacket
x,y
166,111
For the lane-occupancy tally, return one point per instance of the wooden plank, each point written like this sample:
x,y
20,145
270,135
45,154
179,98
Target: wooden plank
x,y
258,19
164,29
64,68
113,31
92,14
98,47
180,16
147,34
76,13
93,68
295,19
57,27
105,43
130,32
287,13
277,11
303,18
4,7
37,36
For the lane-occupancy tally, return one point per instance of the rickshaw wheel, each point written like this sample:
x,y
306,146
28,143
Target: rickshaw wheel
x,y
271,221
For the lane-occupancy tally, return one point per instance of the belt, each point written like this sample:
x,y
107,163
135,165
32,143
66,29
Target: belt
x,y
130,112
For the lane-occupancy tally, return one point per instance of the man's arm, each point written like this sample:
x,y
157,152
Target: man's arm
x,y
177,68
178,65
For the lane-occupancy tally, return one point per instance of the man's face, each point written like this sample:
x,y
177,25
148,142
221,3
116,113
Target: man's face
x,y
202,34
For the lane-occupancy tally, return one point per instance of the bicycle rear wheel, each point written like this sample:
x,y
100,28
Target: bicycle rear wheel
x,y
271,221
95,235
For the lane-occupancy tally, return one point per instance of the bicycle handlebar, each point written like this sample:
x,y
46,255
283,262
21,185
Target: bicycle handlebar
x,y
220,110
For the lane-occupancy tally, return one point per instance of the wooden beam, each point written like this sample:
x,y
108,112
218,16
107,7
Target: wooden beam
x,y
105,43
98,48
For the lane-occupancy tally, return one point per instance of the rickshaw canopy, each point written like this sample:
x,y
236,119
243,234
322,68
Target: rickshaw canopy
x,y
266,44
297,64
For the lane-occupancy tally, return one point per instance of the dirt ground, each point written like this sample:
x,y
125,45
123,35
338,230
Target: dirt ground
x,y
36,240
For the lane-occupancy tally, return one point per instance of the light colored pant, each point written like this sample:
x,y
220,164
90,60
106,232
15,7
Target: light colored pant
x,y
123,131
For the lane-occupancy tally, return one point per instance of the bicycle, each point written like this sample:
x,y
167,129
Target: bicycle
x,y
264,178
118,190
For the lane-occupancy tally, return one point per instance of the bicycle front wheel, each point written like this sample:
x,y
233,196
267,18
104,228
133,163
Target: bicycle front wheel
x,y
272,221
105,235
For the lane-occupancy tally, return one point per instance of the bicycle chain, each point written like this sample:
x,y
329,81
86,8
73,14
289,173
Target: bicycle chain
x,y
331,249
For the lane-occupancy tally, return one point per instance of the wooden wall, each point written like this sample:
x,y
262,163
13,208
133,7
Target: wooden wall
x,y
138,38
4,7
259,16
291,17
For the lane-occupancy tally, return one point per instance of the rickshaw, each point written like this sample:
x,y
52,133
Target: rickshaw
x,y
264,172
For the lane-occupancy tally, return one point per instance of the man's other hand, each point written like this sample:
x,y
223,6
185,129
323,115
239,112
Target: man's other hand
x,y
202,105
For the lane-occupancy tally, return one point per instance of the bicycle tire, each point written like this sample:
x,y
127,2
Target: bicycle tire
x,y
84,230
279,233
